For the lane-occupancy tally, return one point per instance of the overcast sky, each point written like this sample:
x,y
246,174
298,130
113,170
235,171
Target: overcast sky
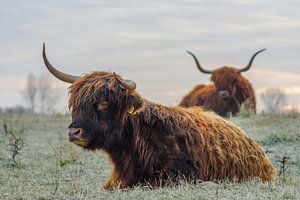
x,y
146,41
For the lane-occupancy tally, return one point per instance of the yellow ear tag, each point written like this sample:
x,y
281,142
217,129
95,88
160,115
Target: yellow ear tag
x,y
132,110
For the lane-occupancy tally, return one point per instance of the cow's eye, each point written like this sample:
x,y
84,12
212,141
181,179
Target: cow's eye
x,y
103,105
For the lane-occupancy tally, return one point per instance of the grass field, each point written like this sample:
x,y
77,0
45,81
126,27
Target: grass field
x,y
38,162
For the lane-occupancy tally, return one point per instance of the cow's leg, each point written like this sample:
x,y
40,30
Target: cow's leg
x,y
112,182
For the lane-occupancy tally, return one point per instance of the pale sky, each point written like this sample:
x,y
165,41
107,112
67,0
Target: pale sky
x,y
146,41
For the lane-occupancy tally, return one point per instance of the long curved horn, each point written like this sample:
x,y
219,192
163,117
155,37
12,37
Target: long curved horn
x,y
125,83
58,74
198,64
250,62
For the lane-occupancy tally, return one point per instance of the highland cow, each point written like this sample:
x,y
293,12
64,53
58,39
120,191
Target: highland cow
x,y
148,143
226,94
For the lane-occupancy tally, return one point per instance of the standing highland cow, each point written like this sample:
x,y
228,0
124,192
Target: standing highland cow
x,y
151,144
226,94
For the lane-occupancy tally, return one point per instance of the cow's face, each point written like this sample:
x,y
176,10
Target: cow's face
x,y
225,80
100,103
99,107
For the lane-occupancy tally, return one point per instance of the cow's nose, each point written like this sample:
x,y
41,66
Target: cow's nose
x,y
223,94
74,132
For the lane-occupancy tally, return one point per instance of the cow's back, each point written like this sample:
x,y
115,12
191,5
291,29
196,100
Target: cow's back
x,y
225,151
198,96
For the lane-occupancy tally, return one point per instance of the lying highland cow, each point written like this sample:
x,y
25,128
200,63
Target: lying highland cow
x,y
226,94
151,144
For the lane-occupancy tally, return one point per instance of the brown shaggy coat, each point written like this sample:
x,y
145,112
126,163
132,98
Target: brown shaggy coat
x,y
225,78
156,144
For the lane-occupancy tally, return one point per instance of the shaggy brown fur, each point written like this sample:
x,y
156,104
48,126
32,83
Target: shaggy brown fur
x,y
158,143
226,79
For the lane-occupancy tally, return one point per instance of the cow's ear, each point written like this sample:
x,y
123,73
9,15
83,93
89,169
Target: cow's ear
x,y
134,102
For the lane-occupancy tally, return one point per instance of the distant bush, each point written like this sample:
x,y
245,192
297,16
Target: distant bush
x,y
16,110
246,112
273,99
39,94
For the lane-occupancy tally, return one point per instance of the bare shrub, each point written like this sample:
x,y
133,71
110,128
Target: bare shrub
x,y
273,99
14,130
283,161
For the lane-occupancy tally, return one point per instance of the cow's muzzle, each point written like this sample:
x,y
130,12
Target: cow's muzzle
x,y
223,94
74,133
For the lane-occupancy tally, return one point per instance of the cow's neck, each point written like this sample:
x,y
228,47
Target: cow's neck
x,y
231,107
241,95
124,155
244,90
